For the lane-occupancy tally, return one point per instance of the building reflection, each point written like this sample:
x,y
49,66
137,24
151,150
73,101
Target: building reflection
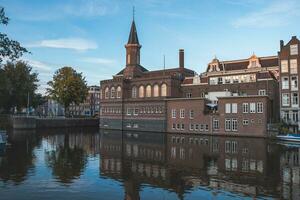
x,y
181,163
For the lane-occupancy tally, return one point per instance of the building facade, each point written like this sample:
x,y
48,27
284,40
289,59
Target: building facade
x,y
289,60
235,97
90,107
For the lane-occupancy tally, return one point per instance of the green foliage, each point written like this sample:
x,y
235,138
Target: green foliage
x,y
67,87
10,49
16,81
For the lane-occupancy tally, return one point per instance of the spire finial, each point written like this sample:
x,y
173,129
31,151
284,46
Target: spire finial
x,y
133,12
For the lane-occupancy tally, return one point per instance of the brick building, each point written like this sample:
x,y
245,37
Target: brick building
x,y
90,107
235,97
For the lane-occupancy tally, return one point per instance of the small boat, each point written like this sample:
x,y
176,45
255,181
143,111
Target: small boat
x,y
289,137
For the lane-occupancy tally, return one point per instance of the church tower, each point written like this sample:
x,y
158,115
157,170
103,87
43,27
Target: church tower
x,y
133,47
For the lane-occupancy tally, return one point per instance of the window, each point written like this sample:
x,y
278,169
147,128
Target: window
x,y
260,107
285,83
295,116
178,126
284,66
252,108
182,114
136,111
119,92
227,125
246,122
215,124
182,126
234,124
148,91
234,107
106,93
173,113
206,127
129,111
294,49
261,92
112,92
213,81
285,99
294,83
191,127
156,90
220,80
196,127
100,94
295,99
227,108
201,127
191,114
245,107
173,126
133,92
188,95
141,91
293,66
164,90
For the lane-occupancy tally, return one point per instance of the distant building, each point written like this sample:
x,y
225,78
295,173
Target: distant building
x,y
90,107
235,97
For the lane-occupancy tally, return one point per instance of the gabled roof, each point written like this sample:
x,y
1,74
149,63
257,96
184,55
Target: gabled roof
x,y
141,68
133,38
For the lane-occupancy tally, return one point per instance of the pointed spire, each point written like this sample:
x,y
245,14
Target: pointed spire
x,y
133,38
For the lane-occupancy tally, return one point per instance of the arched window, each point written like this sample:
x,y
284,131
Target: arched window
x,y
148,91
119,92
133,92
112,92
156,90
141,91
106,93
164,90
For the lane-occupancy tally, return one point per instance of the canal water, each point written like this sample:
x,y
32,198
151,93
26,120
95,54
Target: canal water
x,y
93,164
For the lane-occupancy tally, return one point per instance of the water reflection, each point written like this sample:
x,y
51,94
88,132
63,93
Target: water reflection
x,y
135,165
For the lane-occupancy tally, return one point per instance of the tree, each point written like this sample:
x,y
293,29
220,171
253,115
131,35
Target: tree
x,y
67,87
17,81
10,49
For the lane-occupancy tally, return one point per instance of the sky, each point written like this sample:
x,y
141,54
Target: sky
x,y
89,35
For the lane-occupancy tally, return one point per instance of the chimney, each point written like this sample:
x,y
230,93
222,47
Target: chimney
x,y
281,44
181,59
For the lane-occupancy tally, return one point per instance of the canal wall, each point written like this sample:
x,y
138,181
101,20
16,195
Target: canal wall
x,y
67,123
23,122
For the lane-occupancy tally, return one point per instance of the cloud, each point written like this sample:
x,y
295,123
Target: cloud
x,y
277,14
101,61
78,44
39,65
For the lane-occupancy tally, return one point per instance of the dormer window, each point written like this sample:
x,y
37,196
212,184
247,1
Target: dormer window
x,y
254,62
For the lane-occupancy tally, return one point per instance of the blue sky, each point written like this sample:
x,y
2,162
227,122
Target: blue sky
x,y
90,35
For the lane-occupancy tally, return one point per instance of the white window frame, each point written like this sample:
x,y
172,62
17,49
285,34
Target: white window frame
x,y
262,92
191,127
285,83
192,114
294,104
234,124
234,108
174,113
216,124
293,66
252,108
287,99
245,122
182,113
227,108
245,107
294,83
284,66
227,124
260,107
294,49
